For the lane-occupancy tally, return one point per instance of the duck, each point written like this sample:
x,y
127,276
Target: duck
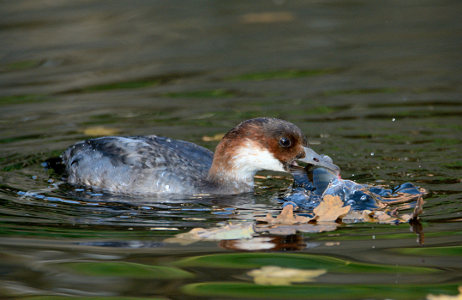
x,y
159,165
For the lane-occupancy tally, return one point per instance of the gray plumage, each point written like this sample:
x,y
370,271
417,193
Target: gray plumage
x,y
138,165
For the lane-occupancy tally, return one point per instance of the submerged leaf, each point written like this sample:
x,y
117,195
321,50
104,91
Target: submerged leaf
x,y
273,275
292,229
286,217
227,232
330,209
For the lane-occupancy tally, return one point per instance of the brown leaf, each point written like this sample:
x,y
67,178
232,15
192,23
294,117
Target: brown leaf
x,y
418,209
383,217
355,216
286,217
330,209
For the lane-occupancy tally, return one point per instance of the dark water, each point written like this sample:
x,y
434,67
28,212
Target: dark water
x,y
376,85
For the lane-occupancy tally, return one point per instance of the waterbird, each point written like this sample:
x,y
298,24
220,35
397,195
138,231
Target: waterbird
x,y
153,164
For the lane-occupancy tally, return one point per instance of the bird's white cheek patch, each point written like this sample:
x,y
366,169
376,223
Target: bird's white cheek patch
x,y
252,158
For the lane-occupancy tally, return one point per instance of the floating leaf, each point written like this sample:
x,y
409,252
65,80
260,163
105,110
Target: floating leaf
x,y
330,209
376,216
418,209
253,244
213,138
446,297
228,232
286,217
274,275
100,131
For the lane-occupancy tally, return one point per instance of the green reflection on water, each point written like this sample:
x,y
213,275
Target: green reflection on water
x,y
454,165
76,232
19,99
318,291
126,269
281,74
121,85
218,93
290,260
22,65
433,251
89,298
360,91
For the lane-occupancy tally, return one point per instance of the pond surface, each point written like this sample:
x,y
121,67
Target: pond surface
x,y
376,85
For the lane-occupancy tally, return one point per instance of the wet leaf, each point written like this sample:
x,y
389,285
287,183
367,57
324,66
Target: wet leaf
x,y
227,232
418,209
446,297
330,209
293,229
286,217
254,244
100,131
274,275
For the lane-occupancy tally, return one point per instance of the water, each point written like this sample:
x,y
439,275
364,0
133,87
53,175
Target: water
x,y
375,85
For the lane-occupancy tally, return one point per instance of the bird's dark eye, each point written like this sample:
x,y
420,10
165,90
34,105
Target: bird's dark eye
x,y
285,142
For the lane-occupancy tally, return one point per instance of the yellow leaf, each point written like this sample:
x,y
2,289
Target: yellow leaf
x,y
273,275
383,217
286,217
330,209
446,297
227,232
100,131
214,138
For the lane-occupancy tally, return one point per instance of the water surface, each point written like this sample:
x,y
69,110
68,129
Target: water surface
x,y
375,85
